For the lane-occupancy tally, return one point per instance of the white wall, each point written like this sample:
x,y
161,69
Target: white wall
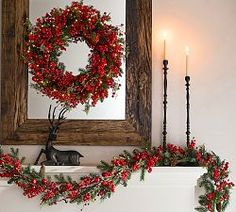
x,y
209,28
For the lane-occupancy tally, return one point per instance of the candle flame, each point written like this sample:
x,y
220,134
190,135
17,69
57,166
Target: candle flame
x,y
164,35
187,50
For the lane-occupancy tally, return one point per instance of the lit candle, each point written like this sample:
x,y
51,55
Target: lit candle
x,y
187,50
164,50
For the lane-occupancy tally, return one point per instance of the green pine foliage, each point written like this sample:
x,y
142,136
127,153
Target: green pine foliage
x,y
119,172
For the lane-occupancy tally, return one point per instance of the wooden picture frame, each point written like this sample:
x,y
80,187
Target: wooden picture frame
x,y
135,130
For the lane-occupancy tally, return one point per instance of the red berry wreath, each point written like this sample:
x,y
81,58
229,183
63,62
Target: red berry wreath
x,y
47,40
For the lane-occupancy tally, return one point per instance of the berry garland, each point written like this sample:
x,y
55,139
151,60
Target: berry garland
x,y
47,40
100,186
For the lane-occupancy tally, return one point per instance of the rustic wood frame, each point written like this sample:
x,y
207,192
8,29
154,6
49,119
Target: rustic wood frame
x,y
135,130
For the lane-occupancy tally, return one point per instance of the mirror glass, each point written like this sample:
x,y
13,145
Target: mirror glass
x,y
75,57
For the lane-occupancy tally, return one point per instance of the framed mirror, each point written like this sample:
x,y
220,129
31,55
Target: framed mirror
x,y
133,130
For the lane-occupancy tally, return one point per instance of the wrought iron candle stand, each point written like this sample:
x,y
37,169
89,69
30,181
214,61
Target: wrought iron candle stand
x,y
164,132
187,80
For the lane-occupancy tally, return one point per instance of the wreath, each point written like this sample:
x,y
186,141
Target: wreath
x,y
100,186
50,36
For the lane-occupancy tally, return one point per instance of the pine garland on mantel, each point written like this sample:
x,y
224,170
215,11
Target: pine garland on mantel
x,y
101,186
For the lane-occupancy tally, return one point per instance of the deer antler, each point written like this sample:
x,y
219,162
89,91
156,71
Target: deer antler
x,y
53,114
61,117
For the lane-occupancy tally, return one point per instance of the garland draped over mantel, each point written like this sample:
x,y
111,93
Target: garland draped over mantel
x,y
100,186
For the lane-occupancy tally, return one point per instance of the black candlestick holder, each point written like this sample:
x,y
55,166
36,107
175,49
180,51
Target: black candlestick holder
x,y
164,132
187,80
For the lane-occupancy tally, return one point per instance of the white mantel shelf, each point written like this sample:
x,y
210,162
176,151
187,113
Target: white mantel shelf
x,y
166,189
160,176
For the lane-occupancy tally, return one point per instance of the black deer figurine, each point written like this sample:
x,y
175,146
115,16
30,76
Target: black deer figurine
x,y
54,156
